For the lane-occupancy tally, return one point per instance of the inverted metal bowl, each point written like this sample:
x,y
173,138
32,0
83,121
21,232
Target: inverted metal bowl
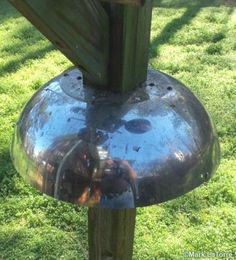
x,y
101,149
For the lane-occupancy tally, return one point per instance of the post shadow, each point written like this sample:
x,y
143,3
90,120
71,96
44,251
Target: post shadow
x,y
14,65
31,37
171,29
7,11
178,23
187,3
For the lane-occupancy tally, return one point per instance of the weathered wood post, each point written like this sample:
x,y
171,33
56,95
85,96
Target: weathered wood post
x,y
130,27
110,135
111,233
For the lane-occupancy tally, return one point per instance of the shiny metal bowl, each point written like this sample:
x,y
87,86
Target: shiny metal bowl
x,y
101,149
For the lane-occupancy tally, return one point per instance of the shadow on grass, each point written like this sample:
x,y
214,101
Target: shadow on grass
x,y
7,171
171,28
40,243
187,3
23,39
14,65
178,23
7,11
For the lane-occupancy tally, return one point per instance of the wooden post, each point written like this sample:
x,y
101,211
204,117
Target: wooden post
x,y
79,29
111,233
111,48
130,27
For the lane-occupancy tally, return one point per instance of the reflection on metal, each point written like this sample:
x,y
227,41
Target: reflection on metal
x,y
106,150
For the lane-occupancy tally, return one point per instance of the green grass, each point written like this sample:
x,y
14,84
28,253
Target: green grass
x,y
192,40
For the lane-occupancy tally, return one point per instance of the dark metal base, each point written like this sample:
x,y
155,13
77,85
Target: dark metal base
x,y
101,149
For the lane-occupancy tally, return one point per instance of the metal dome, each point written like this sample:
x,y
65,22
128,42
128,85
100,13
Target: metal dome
x,y
101,149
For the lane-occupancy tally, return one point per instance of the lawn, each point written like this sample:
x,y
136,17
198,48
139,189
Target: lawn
x,y
193,40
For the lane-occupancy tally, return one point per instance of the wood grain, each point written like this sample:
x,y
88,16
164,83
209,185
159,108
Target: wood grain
x,y
80,30
109,42
129,45
111,233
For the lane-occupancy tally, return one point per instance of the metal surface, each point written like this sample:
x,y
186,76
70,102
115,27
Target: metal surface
x,y
102,149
